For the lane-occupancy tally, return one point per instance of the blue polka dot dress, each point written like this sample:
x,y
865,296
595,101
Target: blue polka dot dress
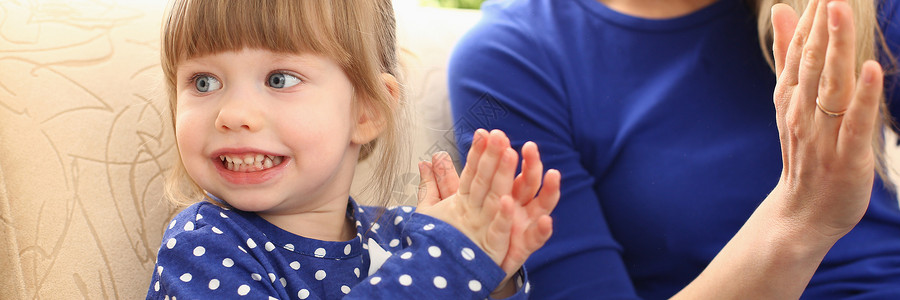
x,y
212,252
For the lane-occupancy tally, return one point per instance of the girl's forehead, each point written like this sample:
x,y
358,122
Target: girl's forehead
x,y
257,55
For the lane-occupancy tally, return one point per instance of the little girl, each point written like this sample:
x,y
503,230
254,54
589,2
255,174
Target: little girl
x,y
274,103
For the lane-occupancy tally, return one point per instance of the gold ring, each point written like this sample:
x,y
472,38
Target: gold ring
x,y
833,114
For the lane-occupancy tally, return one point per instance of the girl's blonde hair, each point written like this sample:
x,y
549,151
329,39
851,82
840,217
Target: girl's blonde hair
x,y
359,35
870,44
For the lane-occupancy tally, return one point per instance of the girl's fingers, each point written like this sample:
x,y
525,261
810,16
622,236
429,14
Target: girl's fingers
x,y
501,223
445,174
428,191
534,237
502,182
487,165
479,144
546,201
858,126
528,182
784,22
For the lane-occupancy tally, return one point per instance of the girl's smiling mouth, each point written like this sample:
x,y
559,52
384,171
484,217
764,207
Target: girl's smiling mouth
x,y
249,162
249,166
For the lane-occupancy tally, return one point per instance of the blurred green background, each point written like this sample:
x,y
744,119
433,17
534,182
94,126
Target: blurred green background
x,y
468,4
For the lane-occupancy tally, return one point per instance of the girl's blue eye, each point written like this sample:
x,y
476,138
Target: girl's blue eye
x,y
206,83
282,80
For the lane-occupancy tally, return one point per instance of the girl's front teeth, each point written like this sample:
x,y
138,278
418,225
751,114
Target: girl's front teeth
x,y
250,163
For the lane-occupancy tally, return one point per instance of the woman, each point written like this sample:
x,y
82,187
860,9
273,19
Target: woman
x,y
659,116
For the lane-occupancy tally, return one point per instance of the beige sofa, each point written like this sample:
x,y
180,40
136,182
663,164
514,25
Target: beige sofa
x,y
85,139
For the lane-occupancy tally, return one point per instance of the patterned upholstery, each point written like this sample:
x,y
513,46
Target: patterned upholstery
x,y
86,139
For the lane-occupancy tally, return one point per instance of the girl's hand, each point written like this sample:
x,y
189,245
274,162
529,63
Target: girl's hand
x,y
829,164
531,226
482,209
437,179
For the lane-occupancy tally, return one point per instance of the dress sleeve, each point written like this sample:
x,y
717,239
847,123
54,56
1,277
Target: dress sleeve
x,y
438,263
501,76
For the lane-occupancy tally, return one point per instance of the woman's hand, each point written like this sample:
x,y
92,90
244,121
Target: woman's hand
x,y
826,146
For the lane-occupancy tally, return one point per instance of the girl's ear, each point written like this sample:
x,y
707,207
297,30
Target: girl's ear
x,y
370,122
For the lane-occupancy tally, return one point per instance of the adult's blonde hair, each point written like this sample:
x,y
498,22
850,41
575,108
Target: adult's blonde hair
x,y
870,44
359,35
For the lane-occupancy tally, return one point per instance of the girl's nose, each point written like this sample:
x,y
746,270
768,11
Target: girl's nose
x,y
239,112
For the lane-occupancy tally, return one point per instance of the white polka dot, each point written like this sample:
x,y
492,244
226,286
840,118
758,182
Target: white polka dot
x,y
189,226
186,277
199,216
356,271
213,284
345,289
216,230
199,251
361,210
270,246
428,227
475,285
256,277
405,280
518,282
171,225
167,297
406,255
227,262
295,265
398,219
394,243
243,290
320,274
527,287
289,247
406,209
272,298
375,226
251,243
347,249
303,294
159,270
375,280
156,286
467,253
434,251
408,241
366,246
242,249
171,243
223,215
272,277
320,252
440,282
358,223
283,282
